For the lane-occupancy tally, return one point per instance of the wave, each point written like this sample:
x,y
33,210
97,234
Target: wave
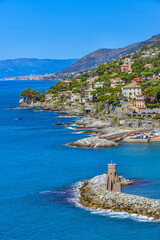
x,y
77,132
40,110
71,128
61,116
52,192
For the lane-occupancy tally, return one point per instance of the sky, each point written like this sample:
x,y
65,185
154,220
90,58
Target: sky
x,y
63,29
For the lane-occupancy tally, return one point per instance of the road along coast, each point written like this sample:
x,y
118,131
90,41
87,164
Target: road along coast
x,y
93,194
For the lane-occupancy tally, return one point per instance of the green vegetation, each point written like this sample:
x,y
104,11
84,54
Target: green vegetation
x,y
33,95
145,65
157,116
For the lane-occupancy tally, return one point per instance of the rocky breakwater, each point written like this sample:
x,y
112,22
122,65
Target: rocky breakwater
x,y
93,194
93,142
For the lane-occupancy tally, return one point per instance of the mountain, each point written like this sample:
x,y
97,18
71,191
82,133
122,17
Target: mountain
x,y
26,66
104,55
156,44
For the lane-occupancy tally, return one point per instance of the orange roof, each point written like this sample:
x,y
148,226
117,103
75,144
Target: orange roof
x,y
137,79
153,78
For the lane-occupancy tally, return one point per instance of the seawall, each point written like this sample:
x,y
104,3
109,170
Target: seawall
x,y
93,194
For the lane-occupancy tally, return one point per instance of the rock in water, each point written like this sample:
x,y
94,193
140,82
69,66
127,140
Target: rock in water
x,y
93,142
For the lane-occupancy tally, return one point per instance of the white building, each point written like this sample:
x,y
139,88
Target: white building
x,y
132,90
98,84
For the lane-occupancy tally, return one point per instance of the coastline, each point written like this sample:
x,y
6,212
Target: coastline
x,y
106,135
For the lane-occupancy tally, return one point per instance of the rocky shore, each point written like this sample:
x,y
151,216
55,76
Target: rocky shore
x,y
93,142
93,194
107,135
50,106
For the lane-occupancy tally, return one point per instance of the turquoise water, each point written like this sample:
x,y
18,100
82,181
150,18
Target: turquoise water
x,y
38,172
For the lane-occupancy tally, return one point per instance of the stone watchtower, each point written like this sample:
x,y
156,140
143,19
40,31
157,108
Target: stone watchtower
x,y
113,180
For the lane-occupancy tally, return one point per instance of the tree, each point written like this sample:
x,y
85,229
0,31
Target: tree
x,y
144,48
31,94
156,70
94,92
85,75
147,74
152,92
101,69
138,66
76,90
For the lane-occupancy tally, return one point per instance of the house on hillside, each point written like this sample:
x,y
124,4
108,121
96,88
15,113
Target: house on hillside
x,y
67,93
140,103
115,82
89,96
137,80
148,65
132,90
126,67
98,84
92,79
48,97
75,96
69,83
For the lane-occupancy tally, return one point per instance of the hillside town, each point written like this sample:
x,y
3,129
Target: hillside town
x,y
116,91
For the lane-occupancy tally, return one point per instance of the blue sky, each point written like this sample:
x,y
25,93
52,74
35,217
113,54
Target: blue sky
x,y
61,29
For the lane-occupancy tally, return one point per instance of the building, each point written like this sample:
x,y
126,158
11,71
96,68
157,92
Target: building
x,y
88,95
92,79
82,100
148,65
98,84
67,93
69,83
118,80
90,85
75,96
89,110
115,82
48,97
113,180
113,85
126,67
140,103
132,90
137,80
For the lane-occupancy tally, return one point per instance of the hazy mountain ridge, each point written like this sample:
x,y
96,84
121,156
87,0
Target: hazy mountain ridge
x,y
26,66
104,55
156,44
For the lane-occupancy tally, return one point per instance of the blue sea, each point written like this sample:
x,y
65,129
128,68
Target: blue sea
x,y
39,173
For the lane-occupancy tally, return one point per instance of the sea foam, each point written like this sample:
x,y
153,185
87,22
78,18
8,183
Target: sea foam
x,y
103,212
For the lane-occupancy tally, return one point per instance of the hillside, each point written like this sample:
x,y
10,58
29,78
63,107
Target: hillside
x,y
104,55
156,44
27,66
